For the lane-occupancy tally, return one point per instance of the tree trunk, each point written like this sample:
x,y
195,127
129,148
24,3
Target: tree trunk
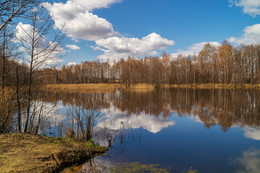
x,y
30,80
18,100
3,66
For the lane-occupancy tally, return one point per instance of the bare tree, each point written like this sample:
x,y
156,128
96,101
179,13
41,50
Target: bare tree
x,y
10,9
38,50
86,118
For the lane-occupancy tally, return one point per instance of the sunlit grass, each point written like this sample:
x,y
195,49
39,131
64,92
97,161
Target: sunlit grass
x,y
102,87
83,87
142,87
31,153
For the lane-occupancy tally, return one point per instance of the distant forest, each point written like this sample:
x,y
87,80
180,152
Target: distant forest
x,y
224,64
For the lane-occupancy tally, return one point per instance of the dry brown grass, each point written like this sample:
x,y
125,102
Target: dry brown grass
x,y
214,86
140,87
96,87
82,87
30,153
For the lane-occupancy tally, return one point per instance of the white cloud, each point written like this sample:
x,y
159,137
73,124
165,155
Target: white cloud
x,y
71,64
73,47
122,47
251,36
24,32
46,52
251,7
252,133
54,61
98,48
96,4
194,49
117,119
78,22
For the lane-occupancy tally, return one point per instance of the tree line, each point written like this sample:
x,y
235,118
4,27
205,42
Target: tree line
x,y
217,65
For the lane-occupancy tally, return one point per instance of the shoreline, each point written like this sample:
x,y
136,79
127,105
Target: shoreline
x,y
32,153
99,87
214,86
103,87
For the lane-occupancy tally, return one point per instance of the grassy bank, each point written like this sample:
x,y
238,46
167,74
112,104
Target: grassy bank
x,y
30,153
140,87
82,87
214,86
100,87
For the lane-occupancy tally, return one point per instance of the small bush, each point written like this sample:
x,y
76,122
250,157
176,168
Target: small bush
x,y
92,141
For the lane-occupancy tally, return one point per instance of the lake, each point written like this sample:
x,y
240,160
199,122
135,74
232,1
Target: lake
x,y
170,130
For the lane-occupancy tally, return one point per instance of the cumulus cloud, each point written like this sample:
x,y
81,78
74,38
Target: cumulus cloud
x,y
76,20
90,4
122,47
148,122
194,49
46,52
251,7
24,32
252,133
73,47
71,64
251,36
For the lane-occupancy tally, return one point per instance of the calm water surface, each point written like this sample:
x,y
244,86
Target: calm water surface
x,y
176,130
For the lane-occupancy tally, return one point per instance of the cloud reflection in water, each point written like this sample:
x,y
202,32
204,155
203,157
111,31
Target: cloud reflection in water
x,y
253,133
117,119
250,161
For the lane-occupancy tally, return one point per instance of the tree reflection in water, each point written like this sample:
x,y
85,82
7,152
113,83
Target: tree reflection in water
x,y
225,108
115,112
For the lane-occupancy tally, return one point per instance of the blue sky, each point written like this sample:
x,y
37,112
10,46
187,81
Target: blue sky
x,y
114,29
